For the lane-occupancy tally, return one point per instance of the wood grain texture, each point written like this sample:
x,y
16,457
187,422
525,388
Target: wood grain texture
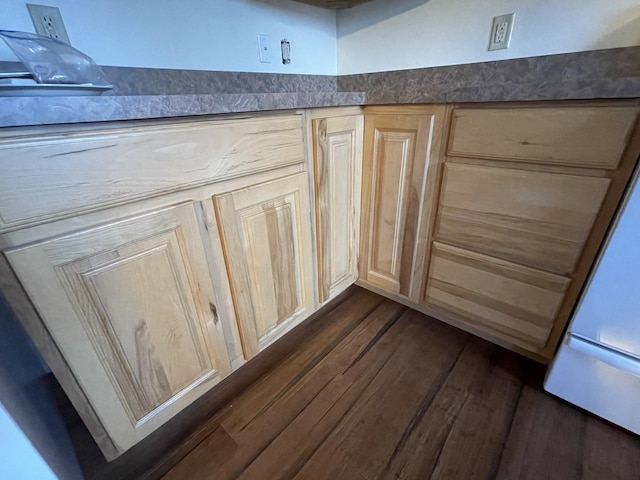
x,y
267,243
577,444
454,320
402,396
398,149
161,450
549,212
202,193
129,305
223,301
619,180
429,210
510,300
337,155
32,322
65,173
582,136
534,206
537,219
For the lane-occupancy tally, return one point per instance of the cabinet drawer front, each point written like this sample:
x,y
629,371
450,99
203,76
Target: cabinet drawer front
x,y
54,175
534,218
575,136
515,302
129,306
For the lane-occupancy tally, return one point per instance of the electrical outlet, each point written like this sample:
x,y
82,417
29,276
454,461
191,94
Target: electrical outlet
x,y
48,22
285,48
501,31
264,48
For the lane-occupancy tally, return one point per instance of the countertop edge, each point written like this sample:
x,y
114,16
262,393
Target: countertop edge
x,y
31,111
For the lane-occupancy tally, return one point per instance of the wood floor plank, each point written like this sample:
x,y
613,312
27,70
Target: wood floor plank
x,y
382,392
297,442
337,325
376,423
434,420
546,440
262,426
478,435
609,452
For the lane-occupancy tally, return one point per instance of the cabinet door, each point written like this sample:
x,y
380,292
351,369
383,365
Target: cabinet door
x,y
131,307
399,151
267,241
338,162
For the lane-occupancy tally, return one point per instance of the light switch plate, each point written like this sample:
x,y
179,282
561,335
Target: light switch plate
x,y
264,48
501,31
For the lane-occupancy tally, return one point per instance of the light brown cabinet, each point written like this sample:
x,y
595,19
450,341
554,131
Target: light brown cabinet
x,y
159,254
527,195
502,239
118,247
337,157
401,157
509,239
267,242
130,305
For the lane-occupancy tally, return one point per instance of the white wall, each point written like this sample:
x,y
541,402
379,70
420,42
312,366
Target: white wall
x,y
190,34
19,459
400,34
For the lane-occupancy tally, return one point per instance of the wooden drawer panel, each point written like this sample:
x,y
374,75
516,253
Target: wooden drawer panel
x,y
515,302
578,136
538,219
51,175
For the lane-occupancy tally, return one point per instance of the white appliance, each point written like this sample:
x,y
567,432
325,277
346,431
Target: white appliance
x,y
598,364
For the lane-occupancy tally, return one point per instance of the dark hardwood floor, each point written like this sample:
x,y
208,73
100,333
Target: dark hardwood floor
x,y
381,391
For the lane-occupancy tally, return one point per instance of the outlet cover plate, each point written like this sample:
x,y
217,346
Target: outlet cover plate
x,y
48,22
501,31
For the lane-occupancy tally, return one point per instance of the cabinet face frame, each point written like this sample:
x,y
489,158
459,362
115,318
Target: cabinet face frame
x,y
78,282
337,163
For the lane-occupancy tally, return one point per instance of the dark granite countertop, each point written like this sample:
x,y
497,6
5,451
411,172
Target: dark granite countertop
x,y
22,111
144,93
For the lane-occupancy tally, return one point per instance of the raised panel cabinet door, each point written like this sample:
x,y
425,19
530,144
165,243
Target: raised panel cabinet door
x,y
266,232
398,152
337,152
131,306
